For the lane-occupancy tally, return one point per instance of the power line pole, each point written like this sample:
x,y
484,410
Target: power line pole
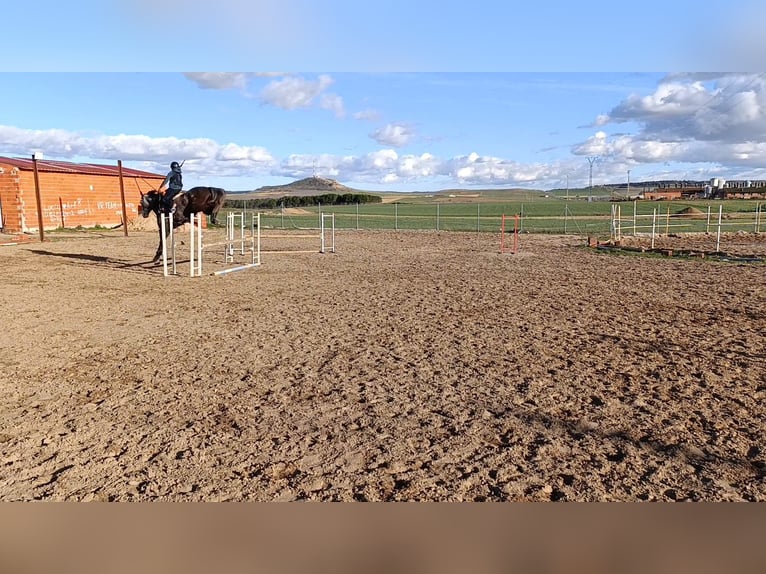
x,y
591,161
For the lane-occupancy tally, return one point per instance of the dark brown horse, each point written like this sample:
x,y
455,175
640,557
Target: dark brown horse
x,y
207,200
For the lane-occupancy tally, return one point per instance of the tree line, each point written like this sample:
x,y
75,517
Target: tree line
x,y
303,201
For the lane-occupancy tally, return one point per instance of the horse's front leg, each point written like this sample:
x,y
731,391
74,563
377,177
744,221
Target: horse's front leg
x,y
158,254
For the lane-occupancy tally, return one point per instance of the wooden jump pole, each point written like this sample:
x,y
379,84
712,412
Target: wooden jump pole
x,y
515,234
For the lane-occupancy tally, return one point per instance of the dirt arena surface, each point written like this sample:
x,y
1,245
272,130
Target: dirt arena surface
x,y
406,366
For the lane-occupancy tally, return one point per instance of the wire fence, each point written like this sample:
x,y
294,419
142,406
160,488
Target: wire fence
x,y
690,220
576,218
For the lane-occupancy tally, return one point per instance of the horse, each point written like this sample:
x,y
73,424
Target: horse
x,y
207,200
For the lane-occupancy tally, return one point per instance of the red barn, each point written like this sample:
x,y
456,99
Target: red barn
x,y
660,194
71,194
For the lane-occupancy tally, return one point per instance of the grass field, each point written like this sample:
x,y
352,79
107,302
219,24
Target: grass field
x,y
539,213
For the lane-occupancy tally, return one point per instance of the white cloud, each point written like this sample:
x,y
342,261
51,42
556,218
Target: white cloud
x,y
295,92
397,135
202,155
288,92
704,119
729,108
334,103
368,115
594,145
218,80
424,165
474,169
386,166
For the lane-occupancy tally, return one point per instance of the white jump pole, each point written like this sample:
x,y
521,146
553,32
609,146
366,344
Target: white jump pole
x,y
166,226
199,241
255,246
718,235
616,223
654,224
195,245
164,242
228,248
172,241
230,235
191,245
634,218
331,217
256,223
321,233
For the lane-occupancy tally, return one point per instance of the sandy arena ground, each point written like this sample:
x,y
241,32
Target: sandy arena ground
x,y
406,366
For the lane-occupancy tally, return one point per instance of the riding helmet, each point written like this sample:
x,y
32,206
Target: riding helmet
x,y
174,165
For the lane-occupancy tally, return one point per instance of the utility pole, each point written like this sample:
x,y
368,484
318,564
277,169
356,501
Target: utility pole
x,y
567,176
591,161
39,198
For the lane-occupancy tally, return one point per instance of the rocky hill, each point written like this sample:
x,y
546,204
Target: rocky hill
x,y
308,186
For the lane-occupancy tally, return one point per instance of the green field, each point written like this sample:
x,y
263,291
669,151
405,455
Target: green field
x,y
538,213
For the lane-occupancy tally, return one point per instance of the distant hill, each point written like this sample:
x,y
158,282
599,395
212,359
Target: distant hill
x,y
307,186
320,185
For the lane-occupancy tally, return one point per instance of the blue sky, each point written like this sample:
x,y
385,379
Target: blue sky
x,y
459,94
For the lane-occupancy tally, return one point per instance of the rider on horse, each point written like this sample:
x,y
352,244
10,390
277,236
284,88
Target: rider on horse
x,y
172,184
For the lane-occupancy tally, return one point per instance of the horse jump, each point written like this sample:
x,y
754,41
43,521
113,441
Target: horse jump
x,y
254,239
246,243
327,227
196,247
506,248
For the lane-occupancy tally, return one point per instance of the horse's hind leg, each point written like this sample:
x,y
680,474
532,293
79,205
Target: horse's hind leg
x,y
214,215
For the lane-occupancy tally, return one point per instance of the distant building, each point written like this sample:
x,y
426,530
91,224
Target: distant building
x,y
663,194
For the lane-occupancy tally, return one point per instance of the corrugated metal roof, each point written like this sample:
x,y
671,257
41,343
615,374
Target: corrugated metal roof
x,y
79,168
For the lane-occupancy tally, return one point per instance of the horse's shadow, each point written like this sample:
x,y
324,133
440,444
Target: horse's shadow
x,y
118,263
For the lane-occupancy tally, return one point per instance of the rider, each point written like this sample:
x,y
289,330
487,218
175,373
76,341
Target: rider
x,y
172,184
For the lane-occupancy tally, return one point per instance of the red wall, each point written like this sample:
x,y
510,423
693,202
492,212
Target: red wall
x,y
68,200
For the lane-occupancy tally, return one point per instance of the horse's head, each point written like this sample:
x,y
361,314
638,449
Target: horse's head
x,y
149,202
